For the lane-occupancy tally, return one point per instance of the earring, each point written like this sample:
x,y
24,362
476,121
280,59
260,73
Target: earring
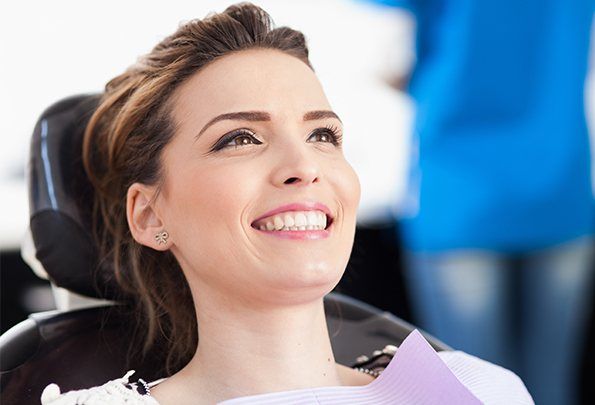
x,y
161,237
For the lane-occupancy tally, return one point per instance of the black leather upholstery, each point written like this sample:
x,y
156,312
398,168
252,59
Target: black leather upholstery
x,y
60,199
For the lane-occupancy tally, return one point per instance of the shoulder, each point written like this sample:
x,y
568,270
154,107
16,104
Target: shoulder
x,y
489,382
117,391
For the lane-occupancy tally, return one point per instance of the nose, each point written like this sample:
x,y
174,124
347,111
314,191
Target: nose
x,y
297,167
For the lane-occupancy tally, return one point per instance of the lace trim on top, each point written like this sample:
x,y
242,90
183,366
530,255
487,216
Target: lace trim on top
x,y
119,391
377,362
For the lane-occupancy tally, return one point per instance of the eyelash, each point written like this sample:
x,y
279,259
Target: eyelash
x,y
335,134
226,139
332,131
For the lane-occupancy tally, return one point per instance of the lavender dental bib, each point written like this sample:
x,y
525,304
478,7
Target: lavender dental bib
x,y
416,375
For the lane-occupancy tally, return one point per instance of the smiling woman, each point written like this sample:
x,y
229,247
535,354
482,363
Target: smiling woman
x,y
226,205
197,114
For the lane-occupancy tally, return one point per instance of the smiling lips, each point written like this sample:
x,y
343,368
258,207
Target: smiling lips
x,y
293,221
296,221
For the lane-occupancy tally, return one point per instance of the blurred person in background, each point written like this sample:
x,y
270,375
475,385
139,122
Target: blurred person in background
x,y
499,216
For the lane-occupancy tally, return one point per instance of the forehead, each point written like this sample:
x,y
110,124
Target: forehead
x,y
257,79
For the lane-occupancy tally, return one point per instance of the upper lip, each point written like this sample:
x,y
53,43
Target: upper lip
x,y
300,206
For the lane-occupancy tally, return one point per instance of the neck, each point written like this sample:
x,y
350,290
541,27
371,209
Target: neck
x,y
244,351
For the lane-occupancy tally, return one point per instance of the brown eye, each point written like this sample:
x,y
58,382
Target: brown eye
x,y
236,139
326,135
242,140
322,137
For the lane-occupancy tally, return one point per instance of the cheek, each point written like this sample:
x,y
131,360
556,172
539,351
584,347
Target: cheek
x,y
206,208
348,189
348,192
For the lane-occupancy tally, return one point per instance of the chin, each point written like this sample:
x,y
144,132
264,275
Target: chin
x,y
308,283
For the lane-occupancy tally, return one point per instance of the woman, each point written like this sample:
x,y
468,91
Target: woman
x,y
227,207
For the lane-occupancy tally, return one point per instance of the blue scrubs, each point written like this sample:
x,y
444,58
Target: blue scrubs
x,y
504,158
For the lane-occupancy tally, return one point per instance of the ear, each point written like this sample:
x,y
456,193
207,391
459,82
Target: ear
x,y
143,220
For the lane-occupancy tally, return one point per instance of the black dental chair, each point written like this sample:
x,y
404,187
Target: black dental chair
x,y
79,348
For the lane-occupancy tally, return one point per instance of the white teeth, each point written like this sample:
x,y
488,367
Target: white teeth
x,y
289,222
294,221
278,223
301,220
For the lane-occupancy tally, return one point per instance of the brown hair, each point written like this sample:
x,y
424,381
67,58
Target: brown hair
x,y
123,142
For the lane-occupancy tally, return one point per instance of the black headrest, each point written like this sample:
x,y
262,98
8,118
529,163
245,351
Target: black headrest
x,y
60,200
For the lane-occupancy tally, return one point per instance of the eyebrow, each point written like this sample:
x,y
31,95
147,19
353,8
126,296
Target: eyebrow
x,y
256,116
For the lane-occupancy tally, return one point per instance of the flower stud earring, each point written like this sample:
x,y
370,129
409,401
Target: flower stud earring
x,y
161,237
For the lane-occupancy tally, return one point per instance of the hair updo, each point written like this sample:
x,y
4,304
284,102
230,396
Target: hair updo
x,y
123,143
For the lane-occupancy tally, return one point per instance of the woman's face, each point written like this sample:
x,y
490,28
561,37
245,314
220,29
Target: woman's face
x,y
258,198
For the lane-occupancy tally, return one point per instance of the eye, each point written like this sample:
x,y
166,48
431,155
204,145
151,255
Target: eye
x,y
329,134
244,139
236,139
